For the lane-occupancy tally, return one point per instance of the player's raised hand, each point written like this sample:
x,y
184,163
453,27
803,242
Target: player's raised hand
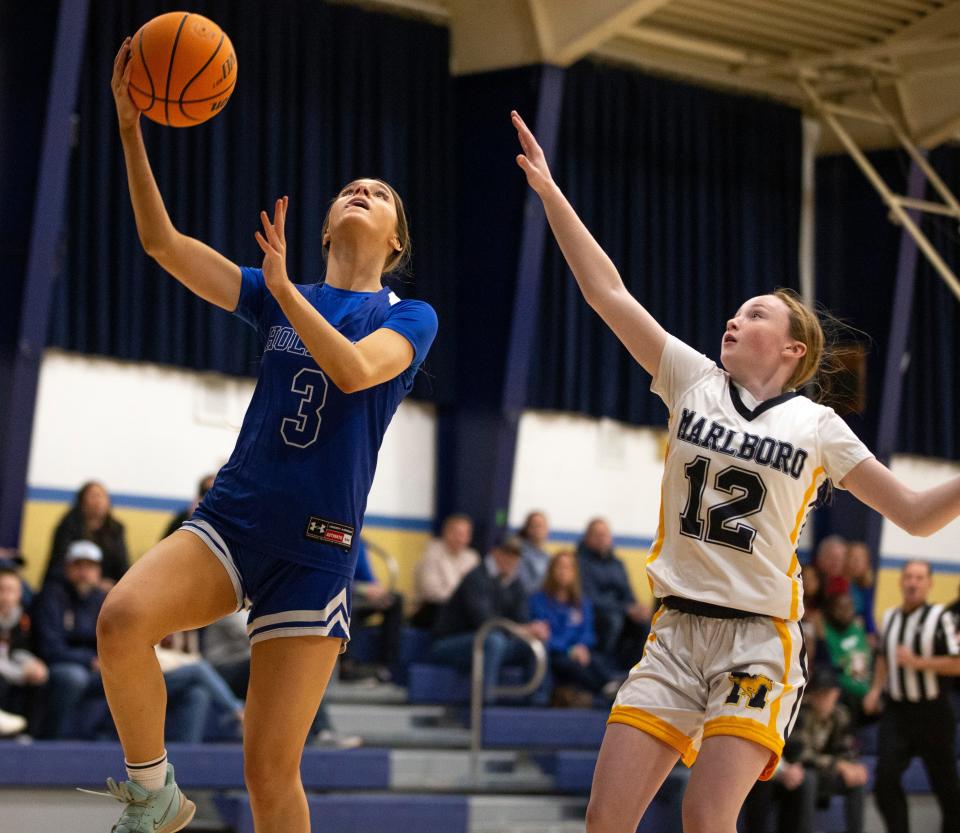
x,y
127,114
532,160
273,242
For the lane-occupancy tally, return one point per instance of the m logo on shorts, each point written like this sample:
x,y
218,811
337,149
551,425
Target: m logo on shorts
x,y
755,687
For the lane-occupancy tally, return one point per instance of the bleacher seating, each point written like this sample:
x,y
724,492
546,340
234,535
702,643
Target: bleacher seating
x,y
363,813
362,790
203,766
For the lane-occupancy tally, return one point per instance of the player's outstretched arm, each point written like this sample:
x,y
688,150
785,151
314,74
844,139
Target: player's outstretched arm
x,y
203,270
917,512
379,357
599,281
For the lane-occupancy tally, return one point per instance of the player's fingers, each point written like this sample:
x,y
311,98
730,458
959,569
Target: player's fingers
x,y
269,232
279,218
124,48
265,245
527,139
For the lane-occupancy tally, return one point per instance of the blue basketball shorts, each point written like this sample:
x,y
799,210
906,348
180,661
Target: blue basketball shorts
x,y
285,598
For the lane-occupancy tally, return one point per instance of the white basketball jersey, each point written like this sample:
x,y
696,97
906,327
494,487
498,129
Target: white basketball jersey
x,y
738,482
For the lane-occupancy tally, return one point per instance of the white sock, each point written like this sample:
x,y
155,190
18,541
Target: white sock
x,y
151,775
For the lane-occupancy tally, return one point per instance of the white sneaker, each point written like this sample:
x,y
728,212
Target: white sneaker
x,y
329,739
11,724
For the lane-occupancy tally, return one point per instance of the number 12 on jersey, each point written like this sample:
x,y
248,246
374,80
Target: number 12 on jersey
x,y
721,525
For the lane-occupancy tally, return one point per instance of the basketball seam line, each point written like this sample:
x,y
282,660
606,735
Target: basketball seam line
x,y
197,75
173,52
143,60
223,92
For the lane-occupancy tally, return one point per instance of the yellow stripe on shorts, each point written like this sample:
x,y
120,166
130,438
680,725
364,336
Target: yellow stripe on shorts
x,y
794,563
785,639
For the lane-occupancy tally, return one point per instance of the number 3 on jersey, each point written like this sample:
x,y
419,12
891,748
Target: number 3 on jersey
x,y
721,525
303,429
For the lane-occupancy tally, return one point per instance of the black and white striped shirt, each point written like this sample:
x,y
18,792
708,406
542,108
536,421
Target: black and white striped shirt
x,y
929,632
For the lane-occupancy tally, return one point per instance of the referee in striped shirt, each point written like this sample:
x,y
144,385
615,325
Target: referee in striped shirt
x,y
917,647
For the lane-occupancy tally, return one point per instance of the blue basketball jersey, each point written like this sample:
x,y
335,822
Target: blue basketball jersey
x,y
296,484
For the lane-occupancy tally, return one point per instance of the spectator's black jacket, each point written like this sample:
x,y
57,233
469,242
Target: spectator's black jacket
x,y
66,624
480,597
110,538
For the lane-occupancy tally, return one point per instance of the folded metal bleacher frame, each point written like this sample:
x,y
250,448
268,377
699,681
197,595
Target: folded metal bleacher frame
x,y
900,206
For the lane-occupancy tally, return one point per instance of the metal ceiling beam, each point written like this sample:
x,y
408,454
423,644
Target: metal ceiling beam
x,y
717,23
700,47
569,31
944,21
768,20
939,134
806,15
897,203
862,56
696,69
492,35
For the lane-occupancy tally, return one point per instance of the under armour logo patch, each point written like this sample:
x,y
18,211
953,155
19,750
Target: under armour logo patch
x,y
329,532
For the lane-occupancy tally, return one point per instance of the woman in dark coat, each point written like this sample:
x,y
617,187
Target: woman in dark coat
x,y
90,519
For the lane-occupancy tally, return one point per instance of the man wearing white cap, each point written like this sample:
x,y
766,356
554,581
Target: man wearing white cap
x,y
66,625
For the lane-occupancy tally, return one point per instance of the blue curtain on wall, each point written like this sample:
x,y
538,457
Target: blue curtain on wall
x,y
324,94
694,194
857,250
930,421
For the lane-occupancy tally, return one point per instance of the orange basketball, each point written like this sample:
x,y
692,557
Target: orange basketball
x,y
184,69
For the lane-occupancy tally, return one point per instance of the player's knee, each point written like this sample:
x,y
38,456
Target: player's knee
x,y
119,621
268,776
600,818
702,817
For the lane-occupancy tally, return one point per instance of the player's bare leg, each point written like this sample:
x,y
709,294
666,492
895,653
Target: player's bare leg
x,y
178,585
288,676
725,772
631,767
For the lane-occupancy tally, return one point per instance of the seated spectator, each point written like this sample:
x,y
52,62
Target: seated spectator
x,y
811,624
619,617
860,576
533,563
818,762
13,560
226,647
489,591
65,622
849,651
445,562
195,691
11,724
569,615
831,562
21,672
204,486
90,519
370,599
